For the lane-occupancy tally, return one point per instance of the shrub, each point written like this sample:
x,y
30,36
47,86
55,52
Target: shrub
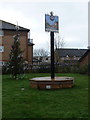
x,y
44,69
83,69
5,69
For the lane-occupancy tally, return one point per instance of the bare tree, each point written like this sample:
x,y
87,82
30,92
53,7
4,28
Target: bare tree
x,y
58,42
41,52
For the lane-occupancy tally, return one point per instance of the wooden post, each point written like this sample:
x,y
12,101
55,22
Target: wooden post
x,y
52,55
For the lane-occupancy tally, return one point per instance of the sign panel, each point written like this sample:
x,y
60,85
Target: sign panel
x,y
51,23
48,86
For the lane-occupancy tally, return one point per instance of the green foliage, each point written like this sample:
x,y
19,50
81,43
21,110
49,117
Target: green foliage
x,y
44,69
89,69
63,69
33,103
4,69
16,61
83,69
73,69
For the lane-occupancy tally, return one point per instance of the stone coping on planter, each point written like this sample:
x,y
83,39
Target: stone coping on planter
x,y
55,79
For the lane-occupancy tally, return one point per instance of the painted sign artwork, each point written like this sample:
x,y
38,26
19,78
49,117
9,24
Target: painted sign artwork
x,y
51,23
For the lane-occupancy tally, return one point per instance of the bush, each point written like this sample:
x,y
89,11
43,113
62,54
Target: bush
x,y
74,69
44,69
83,70
66,69
5,69
41,68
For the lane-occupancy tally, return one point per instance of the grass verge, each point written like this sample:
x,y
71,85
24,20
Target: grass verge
x,y
34,103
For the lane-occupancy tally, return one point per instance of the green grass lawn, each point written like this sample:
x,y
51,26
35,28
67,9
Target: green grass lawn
x,y
34,103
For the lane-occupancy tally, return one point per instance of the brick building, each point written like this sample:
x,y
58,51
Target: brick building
x,y
67,55
85,59
7,31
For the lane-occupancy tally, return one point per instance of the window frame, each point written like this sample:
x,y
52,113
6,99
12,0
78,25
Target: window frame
x,y
1,33
1,49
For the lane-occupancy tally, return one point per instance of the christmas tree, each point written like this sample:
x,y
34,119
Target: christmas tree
x,y
16,61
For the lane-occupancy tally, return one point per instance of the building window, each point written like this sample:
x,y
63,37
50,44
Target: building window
x,y
1,63
1,48
67,57
75,57
1,33
29,35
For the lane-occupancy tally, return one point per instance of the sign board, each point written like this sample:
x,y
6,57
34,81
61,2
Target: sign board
x,y
48,86
51,23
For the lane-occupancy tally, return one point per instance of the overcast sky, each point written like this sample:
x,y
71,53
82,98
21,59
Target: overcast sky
x,y
73,20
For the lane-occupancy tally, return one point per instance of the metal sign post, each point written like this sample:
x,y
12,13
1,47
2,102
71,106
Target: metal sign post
x,y
52,55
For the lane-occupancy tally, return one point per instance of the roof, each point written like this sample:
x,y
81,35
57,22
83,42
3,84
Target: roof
x,y
30,44
85,54
70,52
9,26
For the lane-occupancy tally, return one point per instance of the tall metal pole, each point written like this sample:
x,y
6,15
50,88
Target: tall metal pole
x,y
52,55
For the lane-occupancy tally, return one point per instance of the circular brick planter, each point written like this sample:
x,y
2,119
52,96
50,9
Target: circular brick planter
x,y
48,83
